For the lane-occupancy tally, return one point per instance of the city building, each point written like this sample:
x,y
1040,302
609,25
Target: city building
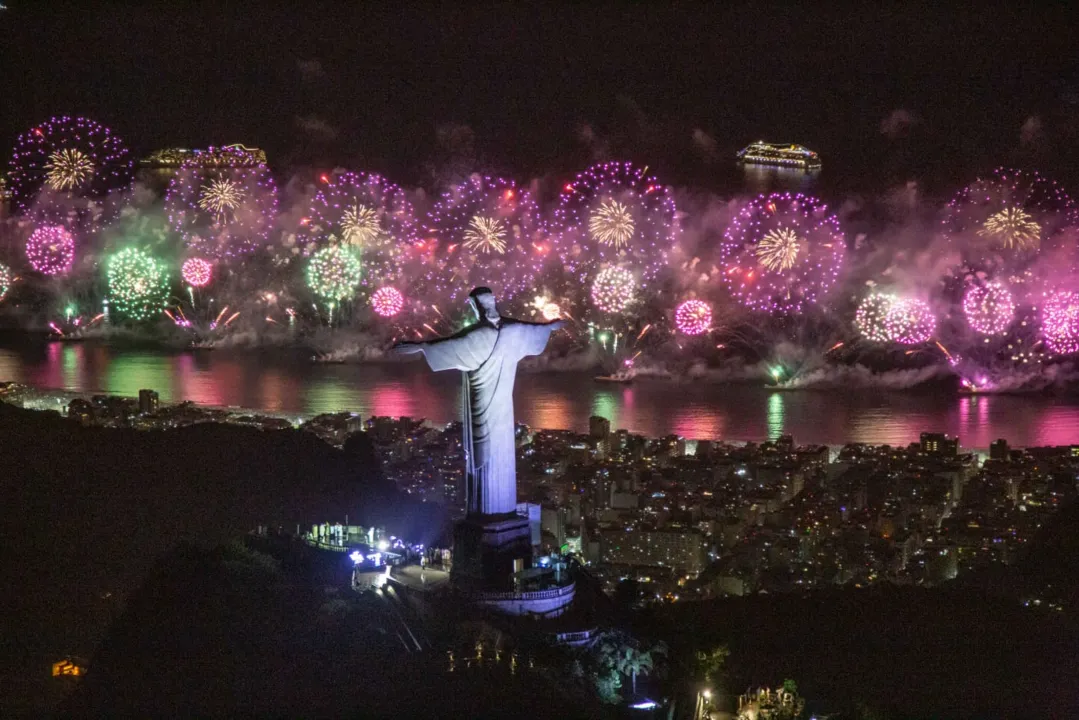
x,y
148,401
680,550
939,444
599,428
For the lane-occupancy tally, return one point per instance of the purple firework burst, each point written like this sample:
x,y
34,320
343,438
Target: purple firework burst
x,y
484,231
910,321
1005,219
615,214
372,215
222,210
59,168
782,253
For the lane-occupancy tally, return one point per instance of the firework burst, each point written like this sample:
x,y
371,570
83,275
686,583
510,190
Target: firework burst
x,y
871,318
1060,322
221,197
612,290
546,308
612,224
989,308
782,253
196,272
484,231
911,321
693,317
68,169
72,162
387,301
615,214
360,226
225,208
1000,222
883,317
374,217
138,287
778,249
333,273
1013,229
486,235
51,250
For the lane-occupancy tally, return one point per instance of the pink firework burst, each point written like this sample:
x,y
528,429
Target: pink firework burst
x,y
196,272
51,250
910,321
989,308
387,301
693,317
1060,322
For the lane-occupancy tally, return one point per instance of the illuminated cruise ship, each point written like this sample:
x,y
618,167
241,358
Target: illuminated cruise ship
x,y
228,156
785,154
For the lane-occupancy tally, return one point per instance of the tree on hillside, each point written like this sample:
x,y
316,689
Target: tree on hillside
x,y
619,652
710,665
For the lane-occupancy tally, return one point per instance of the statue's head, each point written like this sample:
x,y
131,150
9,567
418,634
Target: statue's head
x,y
482,301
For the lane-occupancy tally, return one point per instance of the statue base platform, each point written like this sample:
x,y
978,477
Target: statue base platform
x,y
492,568
488,550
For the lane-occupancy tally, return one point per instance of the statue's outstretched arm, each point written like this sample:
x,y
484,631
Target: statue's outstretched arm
x,y
532,337
447,353
408,348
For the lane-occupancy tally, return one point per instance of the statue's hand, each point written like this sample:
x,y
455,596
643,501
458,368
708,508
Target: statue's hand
x,y
407,348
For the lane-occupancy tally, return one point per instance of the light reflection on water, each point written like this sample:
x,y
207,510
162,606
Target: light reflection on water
x,y
289,382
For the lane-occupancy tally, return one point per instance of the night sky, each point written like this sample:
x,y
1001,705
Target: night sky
x,y
884,95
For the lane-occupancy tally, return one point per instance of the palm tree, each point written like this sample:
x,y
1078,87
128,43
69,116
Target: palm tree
x,y
635,662
622,653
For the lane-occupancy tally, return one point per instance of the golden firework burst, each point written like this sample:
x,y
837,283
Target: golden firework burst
x,y
486,235
612,224
1013,228
68,169
360,225
220,197
778,250
543,305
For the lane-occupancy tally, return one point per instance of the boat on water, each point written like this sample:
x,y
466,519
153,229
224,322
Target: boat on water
x,y
784,154
623,376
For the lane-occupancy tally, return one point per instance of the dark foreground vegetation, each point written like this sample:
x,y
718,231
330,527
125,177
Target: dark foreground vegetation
x,y
121,547
86,513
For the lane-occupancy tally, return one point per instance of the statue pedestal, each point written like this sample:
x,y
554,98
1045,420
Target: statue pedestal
x,y
486,551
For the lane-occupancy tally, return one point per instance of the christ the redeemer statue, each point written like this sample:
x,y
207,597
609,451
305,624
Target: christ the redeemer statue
x,y
487,353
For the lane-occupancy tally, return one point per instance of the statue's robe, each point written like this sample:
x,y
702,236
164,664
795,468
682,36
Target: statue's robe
x,y
487,356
